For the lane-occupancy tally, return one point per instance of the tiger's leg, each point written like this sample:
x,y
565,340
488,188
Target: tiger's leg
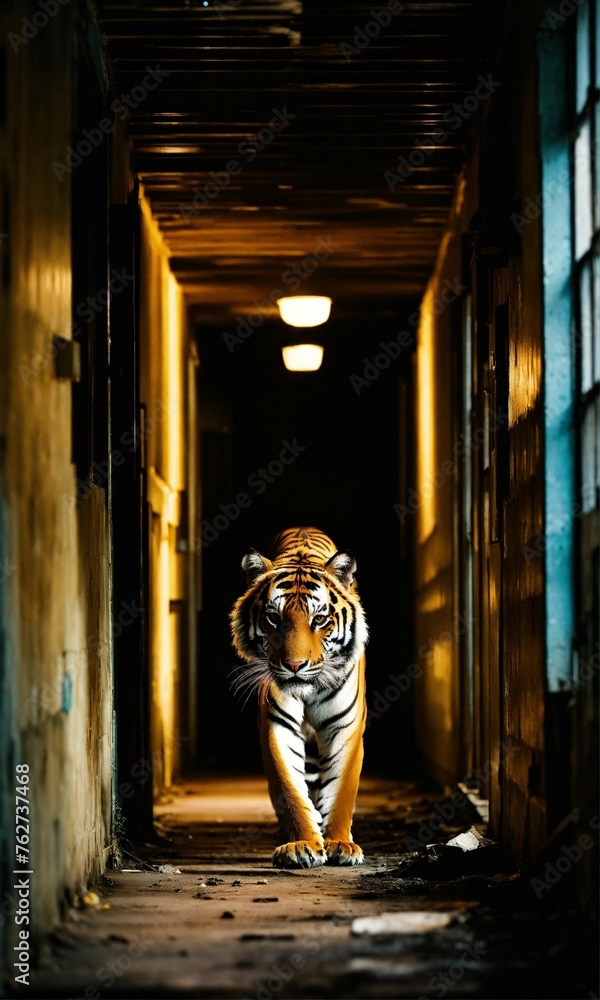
x,y
283,749
336,805
341,763
312,765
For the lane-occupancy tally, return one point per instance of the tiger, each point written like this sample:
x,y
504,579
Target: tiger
x,y
301,630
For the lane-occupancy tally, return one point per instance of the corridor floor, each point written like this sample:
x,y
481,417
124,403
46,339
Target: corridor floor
x,y
224,923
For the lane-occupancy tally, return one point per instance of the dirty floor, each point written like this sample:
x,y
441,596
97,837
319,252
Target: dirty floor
x,y
220,921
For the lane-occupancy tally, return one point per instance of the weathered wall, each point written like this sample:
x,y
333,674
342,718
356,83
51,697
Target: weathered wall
x,y
56,658
164,375
523,689
442,617
436,608
508,633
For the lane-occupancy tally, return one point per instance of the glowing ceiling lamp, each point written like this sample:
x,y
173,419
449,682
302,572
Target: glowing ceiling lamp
x,y
304,310
302,357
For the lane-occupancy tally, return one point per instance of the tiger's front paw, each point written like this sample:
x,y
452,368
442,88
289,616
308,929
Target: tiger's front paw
x,y
299,854
343,852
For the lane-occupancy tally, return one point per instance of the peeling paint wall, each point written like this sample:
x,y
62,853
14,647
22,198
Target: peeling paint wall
x,y
56,653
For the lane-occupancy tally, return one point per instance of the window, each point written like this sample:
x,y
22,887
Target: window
x,y
585,152
558,542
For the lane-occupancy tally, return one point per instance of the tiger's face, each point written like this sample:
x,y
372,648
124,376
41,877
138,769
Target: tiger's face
x,y
299,631
300,626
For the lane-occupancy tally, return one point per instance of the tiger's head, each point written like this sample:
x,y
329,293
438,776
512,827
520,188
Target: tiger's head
x,y
299,626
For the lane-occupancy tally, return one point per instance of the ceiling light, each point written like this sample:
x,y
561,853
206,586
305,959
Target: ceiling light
x,y
302,357
304,310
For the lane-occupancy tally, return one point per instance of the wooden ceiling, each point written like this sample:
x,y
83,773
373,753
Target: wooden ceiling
x,y
356,95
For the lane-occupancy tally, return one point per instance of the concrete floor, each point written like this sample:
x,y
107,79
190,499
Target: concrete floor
x,y
230,925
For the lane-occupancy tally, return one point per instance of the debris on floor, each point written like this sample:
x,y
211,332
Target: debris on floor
x,y
370,932
470,840
469,853
86,899
403,922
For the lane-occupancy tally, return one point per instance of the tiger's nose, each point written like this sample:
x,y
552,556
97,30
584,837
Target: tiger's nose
x,y
294,665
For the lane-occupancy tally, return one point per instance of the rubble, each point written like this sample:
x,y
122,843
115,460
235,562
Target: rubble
x,y
467,854
402,922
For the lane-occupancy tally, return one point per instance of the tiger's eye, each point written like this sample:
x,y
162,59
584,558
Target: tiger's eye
x,y
320,619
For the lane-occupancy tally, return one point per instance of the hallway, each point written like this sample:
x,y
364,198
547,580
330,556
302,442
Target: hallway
x,y
224,923
299,413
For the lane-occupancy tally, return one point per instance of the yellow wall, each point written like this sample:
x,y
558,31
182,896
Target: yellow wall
x,y
164,359
437,623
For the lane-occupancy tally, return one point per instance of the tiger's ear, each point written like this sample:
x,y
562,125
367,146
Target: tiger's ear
x,y
253,565
343,567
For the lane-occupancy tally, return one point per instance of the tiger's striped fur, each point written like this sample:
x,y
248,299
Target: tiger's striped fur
x,y
301,630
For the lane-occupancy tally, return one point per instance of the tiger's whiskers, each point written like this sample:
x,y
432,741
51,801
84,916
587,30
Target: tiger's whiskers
x,y
248,678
